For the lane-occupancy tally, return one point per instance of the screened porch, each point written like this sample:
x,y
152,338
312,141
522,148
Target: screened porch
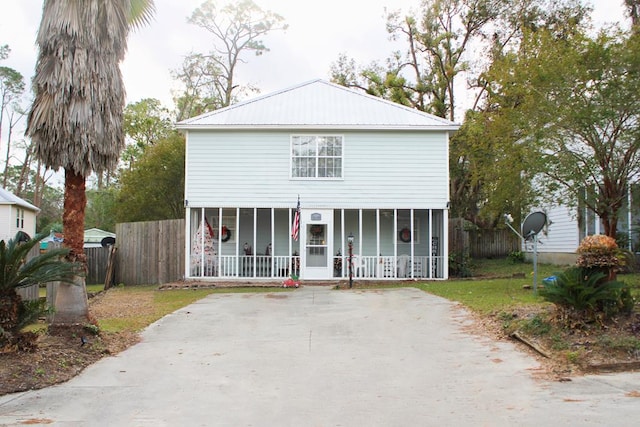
x,y
256,243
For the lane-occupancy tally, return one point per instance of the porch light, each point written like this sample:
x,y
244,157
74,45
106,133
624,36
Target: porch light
x,y
350,238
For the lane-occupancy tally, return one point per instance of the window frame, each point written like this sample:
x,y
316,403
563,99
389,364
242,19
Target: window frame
x,y
19,218
317,156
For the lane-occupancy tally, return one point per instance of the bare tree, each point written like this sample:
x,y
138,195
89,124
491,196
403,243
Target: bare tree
x,y
209,78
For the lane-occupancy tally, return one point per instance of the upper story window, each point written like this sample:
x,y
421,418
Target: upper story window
x,y
316,156
19,218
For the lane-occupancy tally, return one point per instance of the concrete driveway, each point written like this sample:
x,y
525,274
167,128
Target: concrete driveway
x,y
318,357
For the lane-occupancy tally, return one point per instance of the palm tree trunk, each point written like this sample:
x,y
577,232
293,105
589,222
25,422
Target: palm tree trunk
x,y
71,305
75,202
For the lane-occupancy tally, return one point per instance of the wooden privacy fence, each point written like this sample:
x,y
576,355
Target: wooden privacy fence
x,y
481,243
150,252
97,262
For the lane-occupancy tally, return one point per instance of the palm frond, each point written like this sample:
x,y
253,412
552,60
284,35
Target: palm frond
x,y
16,270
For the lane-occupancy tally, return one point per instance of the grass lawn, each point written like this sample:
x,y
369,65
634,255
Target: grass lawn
x,y
492,295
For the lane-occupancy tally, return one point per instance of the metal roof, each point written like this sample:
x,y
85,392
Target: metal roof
x,y
8,198
318,104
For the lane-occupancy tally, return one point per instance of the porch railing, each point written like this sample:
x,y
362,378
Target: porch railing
x,y
251,266
281,267
391,267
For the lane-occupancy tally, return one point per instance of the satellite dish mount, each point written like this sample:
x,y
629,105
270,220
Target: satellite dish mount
x,y
532,226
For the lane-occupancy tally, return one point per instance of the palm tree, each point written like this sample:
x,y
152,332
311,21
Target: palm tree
x,y
75,120
16,272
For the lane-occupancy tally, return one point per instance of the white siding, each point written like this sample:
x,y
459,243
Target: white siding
x,y
5,222
562,235
8,228
391,169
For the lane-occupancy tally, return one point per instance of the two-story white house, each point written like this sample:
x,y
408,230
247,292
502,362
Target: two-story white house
x,y
360,166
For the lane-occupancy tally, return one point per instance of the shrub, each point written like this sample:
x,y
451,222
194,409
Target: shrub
x,y
460,265
582,293
598,251
516,257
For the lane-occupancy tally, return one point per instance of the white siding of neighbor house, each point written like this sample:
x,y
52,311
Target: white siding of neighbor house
x,y
561,236
381,169
8,228
5,222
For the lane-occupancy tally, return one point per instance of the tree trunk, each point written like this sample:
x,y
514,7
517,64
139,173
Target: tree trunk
x,y
71,305
9,309
75,202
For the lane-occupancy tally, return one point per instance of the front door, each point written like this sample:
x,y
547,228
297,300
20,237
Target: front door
x,y
317,241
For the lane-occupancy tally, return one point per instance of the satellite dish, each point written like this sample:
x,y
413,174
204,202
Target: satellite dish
x,y
533,224
108,241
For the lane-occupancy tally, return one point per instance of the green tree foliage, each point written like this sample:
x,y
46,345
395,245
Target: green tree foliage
x,y
489,176
101,208
145,122
209,79
154,189
4,51
486,164
425,75
578,99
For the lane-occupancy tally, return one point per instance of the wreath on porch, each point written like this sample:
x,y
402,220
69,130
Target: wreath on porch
x,y
316,230
405,235
226,234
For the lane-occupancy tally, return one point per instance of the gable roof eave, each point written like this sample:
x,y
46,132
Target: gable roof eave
x,y
314,104
8,198
444,128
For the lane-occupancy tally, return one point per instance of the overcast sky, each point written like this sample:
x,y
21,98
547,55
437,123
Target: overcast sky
x,y
318,32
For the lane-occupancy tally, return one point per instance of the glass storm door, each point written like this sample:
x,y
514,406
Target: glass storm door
x,y
318,233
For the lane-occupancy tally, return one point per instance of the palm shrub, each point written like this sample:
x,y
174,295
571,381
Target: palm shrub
x,y
582,293
17,271
590,290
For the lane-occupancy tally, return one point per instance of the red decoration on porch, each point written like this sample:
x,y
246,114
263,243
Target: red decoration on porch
x,y
226,234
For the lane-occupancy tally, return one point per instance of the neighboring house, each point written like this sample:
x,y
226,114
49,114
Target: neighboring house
x,y
567,226
357,164
16,215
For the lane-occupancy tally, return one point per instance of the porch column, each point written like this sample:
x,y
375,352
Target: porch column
x,y
413,239
445,244
187,241
202,233
273,241
237,242
430,247
342,238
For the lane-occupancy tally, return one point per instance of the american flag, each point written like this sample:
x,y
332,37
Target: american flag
x,y
295,227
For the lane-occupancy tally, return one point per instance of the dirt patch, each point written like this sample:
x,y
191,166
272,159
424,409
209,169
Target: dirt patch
x,y
62,353
611,346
